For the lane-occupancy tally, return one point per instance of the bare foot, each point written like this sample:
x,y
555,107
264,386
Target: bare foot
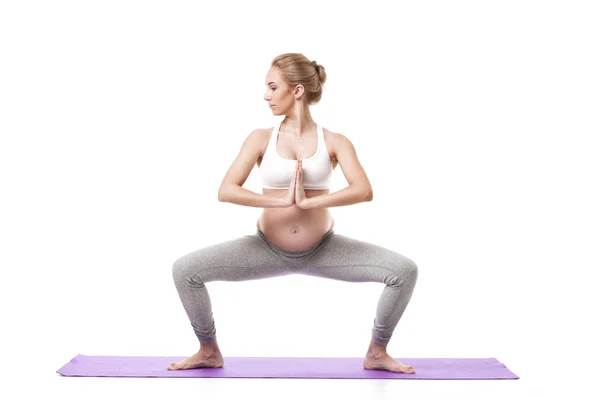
x,y
384,361
199,360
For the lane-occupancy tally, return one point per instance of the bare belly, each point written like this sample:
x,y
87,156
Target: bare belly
x,y
292,228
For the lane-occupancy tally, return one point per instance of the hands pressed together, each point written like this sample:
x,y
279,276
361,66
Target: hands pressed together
x,y
296,194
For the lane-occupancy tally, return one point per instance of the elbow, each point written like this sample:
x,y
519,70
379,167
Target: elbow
x,y
227,192
222,195
364,193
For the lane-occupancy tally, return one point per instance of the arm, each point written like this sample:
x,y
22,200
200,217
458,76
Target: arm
x,y
244,197
344,197
359,188
231,189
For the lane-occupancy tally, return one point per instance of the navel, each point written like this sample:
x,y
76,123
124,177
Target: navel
x,y
294,229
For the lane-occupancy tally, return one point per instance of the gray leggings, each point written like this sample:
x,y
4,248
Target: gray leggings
x,y
335,257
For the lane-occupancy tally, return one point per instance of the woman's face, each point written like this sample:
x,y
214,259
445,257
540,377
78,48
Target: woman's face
x,y
278,94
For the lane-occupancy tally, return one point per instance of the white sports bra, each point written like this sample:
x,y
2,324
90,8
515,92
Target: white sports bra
x,y
277,172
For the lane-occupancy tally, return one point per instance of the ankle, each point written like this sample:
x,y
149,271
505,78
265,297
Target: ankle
x,y
210,348
376,349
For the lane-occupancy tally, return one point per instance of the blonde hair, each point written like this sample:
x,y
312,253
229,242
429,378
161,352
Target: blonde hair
x,y
296,69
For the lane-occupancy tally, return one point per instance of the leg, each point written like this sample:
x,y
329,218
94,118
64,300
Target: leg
x,y
240,259
348,259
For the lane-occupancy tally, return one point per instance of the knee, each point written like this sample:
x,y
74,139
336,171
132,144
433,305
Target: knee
x,y
411,269
179,269
184,271
405,272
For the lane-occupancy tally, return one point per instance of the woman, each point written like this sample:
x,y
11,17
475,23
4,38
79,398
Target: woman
x,y
295,233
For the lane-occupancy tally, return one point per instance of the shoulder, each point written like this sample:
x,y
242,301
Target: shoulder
x,y
337,142
259,138
336,138
260,133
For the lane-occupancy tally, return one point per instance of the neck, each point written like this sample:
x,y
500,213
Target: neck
x,y
299,122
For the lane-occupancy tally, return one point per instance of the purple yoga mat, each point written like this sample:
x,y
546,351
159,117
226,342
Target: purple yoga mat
x,y
285,367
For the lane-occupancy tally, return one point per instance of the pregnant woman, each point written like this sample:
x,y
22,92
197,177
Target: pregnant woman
x,y
294,234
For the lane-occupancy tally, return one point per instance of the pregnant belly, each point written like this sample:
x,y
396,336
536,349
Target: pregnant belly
x,y
294,229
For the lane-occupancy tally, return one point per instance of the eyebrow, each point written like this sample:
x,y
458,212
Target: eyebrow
x,y
270,83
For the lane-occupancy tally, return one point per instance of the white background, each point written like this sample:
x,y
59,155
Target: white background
x,y
476,122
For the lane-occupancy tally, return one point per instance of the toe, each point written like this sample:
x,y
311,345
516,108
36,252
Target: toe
x,y
405,369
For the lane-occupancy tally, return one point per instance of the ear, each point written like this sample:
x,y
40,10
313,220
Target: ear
x,y
298,91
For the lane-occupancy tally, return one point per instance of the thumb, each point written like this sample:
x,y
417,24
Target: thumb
x,y
295,177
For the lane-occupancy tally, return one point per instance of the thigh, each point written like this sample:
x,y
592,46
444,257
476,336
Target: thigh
x,y
348,259
243,258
